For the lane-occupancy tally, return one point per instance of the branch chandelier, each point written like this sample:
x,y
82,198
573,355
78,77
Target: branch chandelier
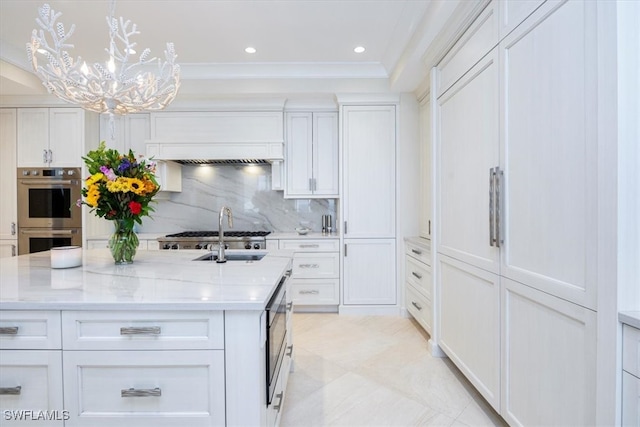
x,y
119,86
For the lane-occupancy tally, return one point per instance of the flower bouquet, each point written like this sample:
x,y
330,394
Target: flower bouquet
x,y
120,188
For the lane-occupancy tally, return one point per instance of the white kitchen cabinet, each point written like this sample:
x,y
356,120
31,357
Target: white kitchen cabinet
x,y
8,248
425,169
419,282
185,387
536,234
315,276
549,357
630,376
50,137
31,380
312,154
368,198
369,272
8,180
130,132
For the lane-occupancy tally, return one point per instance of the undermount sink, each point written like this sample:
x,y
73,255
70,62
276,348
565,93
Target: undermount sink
x,y
233,256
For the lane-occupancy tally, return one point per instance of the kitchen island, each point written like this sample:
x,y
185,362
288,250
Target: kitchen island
x,y
165,341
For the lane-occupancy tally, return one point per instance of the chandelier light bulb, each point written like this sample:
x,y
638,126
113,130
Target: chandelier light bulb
x,y
119,86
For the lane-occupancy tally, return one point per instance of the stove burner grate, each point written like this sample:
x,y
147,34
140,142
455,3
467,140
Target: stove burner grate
x,y
215,234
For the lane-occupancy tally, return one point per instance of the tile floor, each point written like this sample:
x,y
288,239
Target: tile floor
x,y
375,371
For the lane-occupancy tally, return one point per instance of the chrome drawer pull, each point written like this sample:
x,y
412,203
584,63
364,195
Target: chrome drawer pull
x,y
309,292
9,330
309,265
13,391
289,350
416,305
141,392
417,252
289,306
142,330
309,245
419,276
279,405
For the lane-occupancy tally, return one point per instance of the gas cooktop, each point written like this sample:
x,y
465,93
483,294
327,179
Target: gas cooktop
x,y
209,239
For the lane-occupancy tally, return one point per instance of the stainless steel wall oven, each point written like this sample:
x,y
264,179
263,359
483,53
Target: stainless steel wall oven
x,y
47,215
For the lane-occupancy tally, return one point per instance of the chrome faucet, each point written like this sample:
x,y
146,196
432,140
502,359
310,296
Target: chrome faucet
x,y
221,257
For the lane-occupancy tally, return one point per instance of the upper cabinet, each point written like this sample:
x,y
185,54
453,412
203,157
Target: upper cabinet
x,y
425,169
311,155
128,132
50,137
8,207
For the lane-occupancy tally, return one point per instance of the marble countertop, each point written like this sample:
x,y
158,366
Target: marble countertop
x,y
156,280
631,318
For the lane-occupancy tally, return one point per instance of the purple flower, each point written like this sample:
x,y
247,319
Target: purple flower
x,y
79,202
124,165
108,172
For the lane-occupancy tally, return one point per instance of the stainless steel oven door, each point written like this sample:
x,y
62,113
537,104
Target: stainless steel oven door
x,y
276,333
31,240
47,198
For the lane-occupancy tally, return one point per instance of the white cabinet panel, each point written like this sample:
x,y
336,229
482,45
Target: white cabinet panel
x,y
468,130
419,275
549,355
30,330
631,350
181,387
369,271
8,181
315,291
8,248
630,400
369,134
470,324
33,137
550,147
299,161
513,12
306,245
425,169
38,374
325,154
420,307
316,265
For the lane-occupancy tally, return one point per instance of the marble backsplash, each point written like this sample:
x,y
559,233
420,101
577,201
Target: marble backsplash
x,y
246,190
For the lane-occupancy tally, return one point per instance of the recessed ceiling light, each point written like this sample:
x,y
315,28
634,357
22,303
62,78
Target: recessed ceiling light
x,y
250,49
358,49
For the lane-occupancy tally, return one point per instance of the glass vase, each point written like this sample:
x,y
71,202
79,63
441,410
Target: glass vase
x,y
123,242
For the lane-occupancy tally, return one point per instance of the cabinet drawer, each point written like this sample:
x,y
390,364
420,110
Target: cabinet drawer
x,y
316,266
419,275
31,380
630,400
315,291
304,245
110,388
418,252
419,307
84,330
631,350
30,330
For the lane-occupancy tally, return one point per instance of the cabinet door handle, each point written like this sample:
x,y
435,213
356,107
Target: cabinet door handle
x,y
140,330
309,245
345,250
289,350
289,306
13,228
12,391
279,405
416,305
141,392
309,292
50,156
310,184
499,198
309,265
9,330
345,227
416,275
416,251
13,250
44,156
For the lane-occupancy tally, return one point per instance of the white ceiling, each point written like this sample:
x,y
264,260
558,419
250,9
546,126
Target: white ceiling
x,y
302,45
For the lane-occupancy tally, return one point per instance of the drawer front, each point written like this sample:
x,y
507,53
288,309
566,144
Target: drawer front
x,y
631,350
84,330
325,245
419,307
630,400
316,266
419,275
30,330
418,252
110,388
315,291
31,381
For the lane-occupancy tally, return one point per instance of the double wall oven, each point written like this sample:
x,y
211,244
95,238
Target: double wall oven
x,y
47,215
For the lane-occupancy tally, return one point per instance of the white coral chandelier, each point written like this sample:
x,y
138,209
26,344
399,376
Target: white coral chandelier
x,y
116,87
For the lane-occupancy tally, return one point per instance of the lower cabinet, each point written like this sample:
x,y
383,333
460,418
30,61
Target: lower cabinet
x,y
369,272
630,376
171,388
31,388
418,282
8,248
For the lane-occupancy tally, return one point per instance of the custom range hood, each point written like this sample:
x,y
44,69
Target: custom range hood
x,y
217,137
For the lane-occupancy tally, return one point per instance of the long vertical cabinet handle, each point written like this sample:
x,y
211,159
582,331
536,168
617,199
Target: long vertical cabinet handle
x,y
345,249
44,156
345,227
492,189
499,207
